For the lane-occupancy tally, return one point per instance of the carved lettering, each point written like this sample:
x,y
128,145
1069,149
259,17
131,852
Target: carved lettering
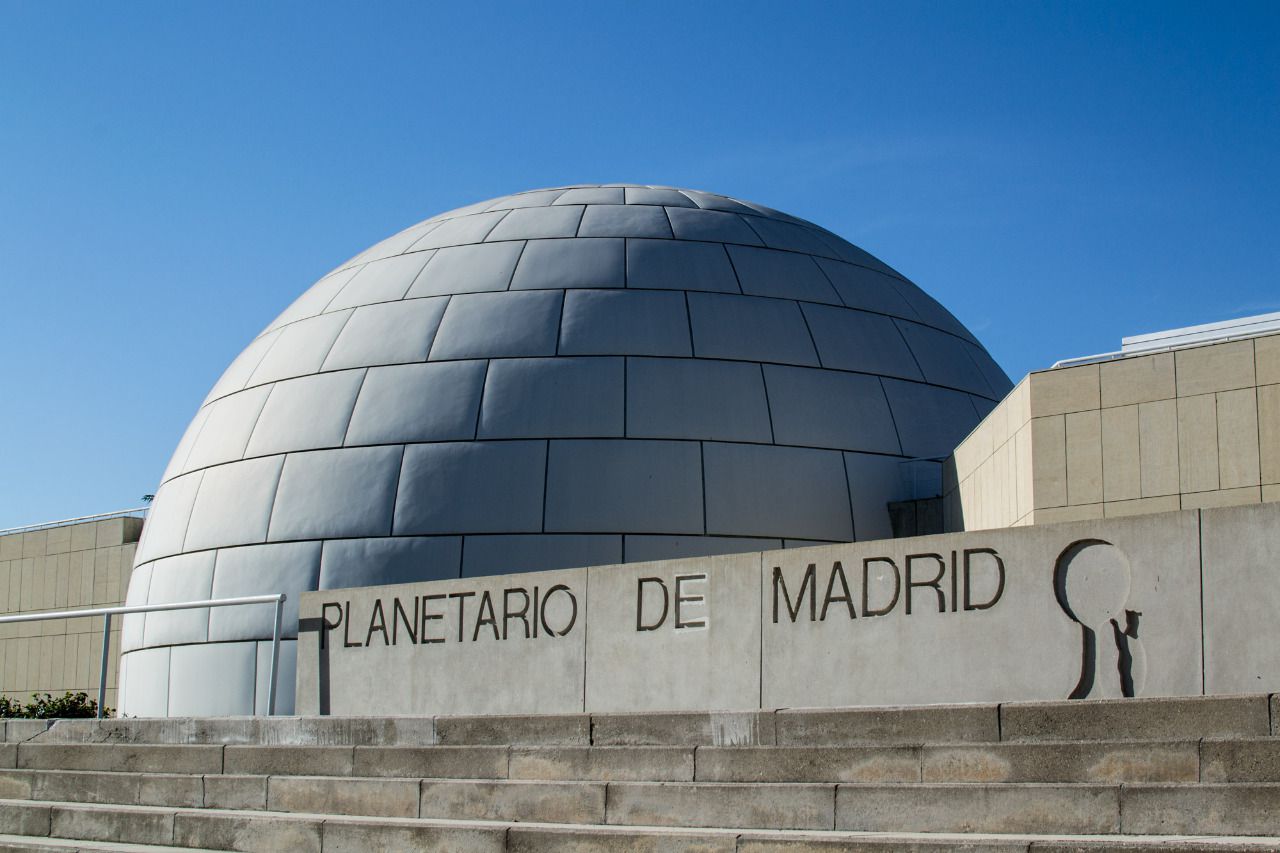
x,y
462,609
536,610
953,582
509,614
867,610
682,599
977,582
328,626
400,615
573,616
486,606
428,617
346,628
641,625
934,583
377,623
807,585
837,574
968,555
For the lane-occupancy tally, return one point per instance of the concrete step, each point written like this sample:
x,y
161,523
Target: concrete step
x,y
140,828
1208,808
27,844
1140,719
1197,773
88,786
157,758
1189,718
1240,760
1220,760
1098,762
919,807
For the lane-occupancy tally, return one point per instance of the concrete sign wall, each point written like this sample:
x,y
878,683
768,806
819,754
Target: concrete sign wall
x,y
674,635
476,646
1002,615
1241,552
1091,609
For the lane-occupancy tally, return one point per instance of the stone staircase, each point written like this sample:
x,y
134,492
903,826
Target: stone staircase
x,y
1137,774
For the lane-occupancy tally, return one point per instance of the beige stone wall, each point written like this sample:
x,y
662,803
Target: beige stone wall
x,y
60,568
987,481
1191,428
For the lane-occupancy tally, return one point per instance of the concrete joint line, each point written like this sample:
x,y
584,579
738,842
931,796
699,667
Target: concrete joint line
x,y
31,738
320,826
1204,669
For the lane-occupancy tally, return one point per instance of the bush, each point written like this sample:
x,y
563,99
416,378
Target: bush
x,y
46,707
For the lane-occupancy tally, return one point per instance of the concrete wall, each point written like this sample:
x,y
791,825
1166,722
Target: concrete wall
x,y
1195,427
76,565
1170,604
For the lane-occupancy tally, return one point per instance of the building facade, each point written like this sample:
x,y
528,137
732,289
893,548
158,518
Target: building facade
x,y
62,566
1187,428
596,376
578,376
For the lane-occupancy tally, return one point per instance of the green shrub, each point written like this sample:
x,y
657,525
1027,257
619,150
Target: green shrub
x,y
46,707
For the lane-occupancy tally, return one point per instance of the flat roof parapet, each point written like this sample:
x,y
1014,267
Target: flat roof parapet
x,y
1187,336
136,512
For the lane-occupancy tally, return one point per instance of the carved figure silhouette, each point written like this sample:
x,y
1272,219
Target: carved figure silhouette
x,y
1091,581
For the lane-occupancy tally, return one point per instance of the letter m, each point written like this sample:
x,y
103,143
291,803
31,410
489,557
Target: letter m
x,y
807,587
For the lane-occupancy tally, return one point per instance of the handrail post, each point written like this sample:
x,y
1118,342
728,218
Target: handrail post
x,y
106,657
275,656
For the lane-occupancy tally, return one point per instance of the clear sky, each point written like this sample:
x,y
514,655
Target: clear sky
x,y
173,174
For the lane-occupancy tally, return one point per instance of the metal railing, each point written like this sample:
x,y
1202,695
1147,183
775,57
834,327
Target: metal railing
x,y
1152,344
84,519
107,612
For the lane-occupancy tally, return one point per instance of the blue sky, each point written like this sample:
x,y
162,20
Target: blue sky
x,y
173,174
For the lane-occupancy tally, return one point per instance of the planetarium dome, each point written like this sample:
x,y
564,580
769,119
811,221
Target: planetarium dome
x,y
566,377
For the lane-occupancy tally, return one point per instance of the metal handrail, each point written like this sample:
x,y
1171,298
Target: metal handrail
x,y
107,612
102,516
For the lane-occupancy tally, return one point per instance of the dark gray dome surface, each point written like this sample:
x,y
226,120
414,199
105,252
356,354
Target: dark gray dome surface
x,y
576,376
